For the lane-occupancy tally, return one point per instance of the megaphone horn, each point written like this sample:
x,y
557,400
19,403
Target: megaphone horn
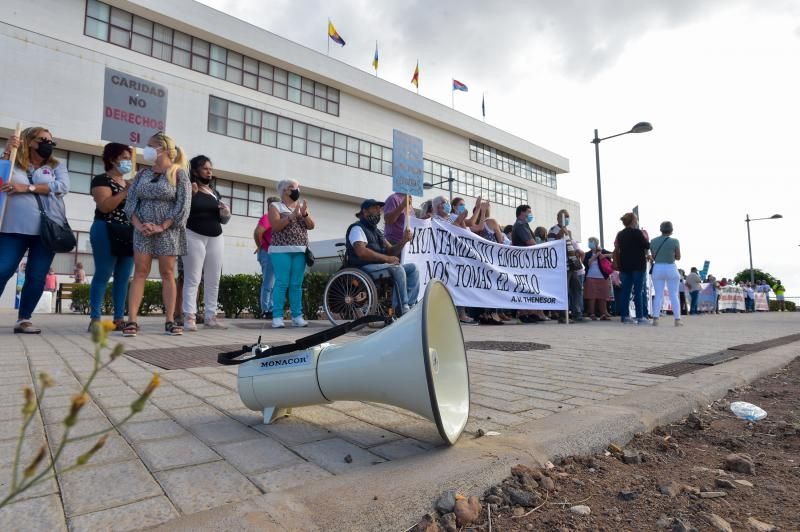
x,y
418,363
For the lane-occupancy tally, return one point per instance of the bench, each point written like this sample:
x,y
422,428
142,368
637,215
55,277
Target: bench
x,y
65,291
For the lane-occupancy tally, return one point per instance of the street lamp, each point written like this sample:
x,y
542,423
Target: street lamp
x,y
749,247
641,127
449,182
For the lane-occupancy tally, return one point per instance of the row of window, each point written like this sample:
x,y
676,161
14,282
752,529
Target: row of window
x,y
253,125
124,29
500,160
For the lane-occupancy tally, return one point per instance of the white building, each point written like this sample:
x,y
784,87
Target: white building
x,y
261,107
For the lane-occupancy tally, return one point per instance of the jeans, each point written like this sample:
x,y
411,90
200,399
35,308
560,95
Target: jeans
x,y
666,274
106,265
694,296
267,280
289,268
406,279
203,259
14,246
631,281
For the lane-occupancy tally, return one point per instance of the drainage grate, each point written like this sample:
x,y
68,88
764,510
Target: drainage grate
x,y
716,358
182,357
674,369
760,346
505,346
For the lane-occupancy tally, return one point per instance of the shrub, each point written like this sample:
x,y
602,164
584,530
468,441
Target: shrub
x,y
774,306
240,293
313,291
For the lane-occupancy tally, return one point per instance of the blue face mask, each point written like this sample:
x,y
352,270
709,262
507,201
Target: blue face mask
x,y
566,221
537,240
460,209
125,166
530,218
447,208
592,245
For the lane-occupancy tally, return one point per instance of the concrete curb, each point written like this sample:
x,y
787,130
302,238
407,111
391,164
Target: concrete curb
x,y
394,495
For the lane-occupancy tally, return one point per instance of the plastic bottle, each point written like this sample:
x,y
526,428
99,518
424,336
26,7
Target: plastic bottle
x,y
748,411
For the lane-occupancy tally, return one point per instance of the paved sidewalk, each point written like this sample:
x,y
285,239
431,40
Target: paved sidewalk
x,y
196,446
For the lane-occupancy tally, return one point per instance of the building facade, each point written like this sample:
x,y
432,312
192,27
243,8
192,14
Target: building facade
x,y
261,107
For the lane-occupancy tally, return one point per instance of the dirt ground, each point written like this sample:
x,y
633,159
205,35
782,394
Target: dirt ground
x,y
679,477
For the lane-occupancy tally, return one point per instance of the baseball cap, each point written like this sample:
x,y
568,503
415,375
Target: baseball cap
x,y
366,204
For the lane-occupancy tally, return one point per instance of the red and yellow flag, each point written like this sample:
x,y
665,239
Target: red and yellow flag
x,y
415,78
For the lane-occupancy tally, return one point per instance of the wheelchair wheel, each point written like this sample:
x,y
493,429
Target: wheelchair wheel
x,y
349,295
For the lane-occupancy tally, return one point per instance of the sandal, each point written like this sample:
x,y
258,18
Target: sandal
x,y
130,329
173,329
26,327
119,325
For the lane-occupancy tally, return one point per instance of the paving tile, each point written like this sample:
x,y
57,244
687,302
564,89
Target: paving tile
x,y
224,431
246,416
151,430
258,455
10,413
135,516
321,415
43,488
383,417
230,401
42,513
286,478
425,431
57,414
171,402
330,455
171,453
196,415
94,488
205,486
400,449
148,413
293,431
364,434
9,430
211,390
116,449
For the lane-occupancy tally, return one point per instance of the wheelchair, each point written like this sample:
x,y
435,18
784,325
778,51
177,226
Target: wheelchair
x,y
352,293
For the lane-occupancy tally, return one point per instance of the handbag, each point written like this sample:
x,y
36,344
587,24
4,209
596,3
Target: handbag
x,y
310,257
120,237
656,255
606,268
57,238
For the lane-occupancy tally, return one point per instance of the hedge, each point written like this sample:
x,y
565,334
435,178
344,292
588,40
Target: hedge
x,y
238,294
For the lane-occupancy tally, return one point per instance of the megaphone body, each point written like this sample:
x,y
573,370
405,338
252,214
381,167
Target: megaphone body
x,y
417,363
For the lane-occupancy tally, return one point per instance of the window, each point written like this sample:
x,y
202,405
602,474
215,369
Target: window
x,y
495,158
243,199
119,27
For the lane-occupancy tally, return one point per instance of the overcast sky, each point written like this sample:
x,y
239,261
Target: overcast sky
x,y
719,81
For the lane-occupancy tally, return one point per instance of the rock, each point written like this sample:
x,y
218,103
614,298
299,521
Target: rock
x,y
691,489
348,459
630,456
448,522
664,522
427,524
712,494
479,433
671,489
744,483
616,449
519,512
446,501
716,522
580,509
494,499
547,484
760,526
724,483
696,422
467,511
519,470
549,465
627,495
578,482
741,463
529,526
528,499
682,525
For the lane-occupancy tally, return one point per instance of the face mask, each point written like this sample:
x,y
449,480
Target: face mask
x,y
460,209
294,194
566,221
446,208
203,180
125,166
537,240
592,245
530,218
149,154
45,150
373,219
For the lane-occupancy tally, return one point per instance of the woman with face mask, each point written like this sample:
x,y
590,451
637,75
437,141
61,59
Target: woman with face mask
x,y
290,222
158,207
441,209
35,174
111,234
596,288
205,246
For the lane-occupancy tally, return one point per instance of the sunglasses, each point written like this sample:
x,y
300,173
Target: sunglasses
x,y
45,140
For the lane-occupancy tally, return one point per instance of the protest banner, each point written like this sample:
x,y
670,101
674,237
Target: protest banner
x,y
762,305
480,273
6,168
134,109
407,173
731,298
707,300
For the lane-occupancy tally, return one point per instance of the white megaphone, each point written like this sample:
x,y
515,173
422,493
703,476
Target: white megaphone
x,y
417,363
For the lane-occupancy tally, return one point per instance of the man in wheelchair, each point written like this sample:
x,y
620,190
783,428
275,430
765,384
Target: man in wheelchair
x,y
368,250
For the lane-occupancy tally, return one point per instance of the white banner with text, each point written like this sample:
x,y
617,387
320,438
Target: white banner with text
x,y
485,274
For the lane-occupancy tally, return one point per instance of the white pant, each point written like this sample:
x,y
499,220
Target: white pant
x,y
203,259
666,274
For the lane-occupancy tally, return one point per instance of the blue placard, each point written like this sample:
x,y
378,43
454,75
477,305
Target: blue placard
x,y
704,271
5,175
407,173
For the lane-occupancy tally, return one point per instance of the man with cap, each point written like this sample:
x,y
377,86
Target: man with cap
x,y
368,250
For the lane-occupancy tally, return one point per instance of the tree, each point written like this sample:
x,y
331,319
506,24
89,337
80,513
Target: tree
x,y
759,275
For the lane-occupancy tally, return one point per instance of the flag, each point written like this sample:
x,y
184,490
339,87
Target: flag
x,y
334,35
483,105
415,78
375,59
458,86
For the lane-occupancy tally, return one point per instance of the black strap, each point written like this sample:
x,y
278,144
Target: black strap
x,y
659,249
307,342
38,199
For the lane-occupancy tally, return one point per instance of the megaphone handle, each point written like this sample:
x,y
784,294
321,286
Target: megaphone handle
x,y
229,358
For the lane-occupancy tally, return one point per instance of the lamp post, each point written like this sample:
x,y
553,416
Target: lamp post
x,y
641,127
747,220
449,182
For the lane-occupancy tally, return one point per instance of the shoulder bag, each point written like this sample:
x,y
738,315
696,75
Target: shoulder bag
x,y
56,237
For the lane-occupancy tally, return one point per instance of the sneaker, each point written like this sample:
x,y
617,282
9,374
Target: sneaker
x,y
642,321
277,323
655,322
299,322
678,323
406,309
214,323
627,321
189,324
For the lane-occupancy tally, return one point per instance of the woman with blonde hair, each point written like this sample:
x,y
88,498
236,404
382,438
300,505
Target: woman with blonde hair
x,y
158,207
37,185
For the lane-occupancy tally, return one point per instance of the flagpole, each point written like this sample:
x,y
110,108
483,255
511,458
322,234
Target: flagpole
x,y
328,35
376,64
452,94
483,105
